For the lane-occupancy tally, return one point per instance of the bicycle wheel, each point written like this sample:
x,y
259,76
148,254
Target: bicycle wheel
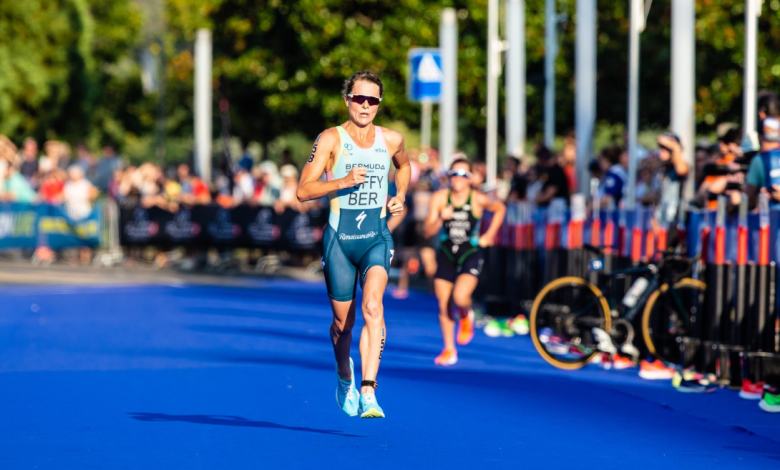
x,y
562,318
669,314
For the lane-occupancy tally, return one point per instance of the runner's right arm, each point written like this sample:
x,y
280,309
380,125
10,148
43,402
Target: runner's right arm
x,y
309,186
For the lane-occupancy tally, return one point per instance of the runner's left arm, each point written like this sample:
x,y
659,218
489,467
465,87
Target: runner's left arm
x,y
403,173
499,210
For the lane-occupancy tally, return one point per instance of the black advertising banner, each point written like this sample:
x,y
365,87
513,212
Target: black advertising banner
x,y
212,225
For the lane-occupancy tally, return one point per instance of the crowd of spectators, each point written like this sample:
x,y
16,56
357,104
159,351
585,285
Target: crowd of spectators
x,y
54,177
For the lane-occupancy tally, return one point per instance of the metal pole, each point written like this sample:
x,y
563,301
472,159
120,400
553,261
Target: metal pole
x,y
683,83
585,77
637,20
448,106
203,104
515,77
493,72
551,52
749,113
425,132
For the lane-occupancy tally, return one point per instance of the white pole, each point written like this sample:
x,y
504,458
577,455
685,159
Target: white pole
x,y
448,106
749,113
551,52
637,24
493,72
203,104
585,76
515,78
683,83
425,134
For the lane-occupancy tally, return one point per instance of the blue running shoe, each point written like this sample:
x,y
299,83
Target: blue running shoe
x,y
369,408
347,395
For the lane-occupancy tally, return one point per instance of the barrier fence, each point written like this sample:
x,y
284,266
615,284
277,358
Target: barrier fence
x,y
214,226
32,226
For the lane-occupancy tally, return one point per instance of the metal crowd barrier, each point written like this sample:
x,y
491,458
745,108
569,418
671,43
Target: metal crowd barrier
x,y
740,253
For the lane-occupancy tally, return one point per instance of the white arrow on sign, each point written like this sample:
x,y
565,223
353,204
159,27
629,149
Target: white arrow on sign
x,y
428,70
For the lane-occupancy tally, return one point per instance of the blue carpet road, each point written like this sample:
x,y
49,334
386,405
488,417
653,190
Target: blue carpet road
x,y
192,377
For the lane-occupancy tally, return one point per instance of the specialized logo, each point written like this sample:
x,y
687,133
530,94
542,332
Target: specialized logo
x,y
392,253
360,218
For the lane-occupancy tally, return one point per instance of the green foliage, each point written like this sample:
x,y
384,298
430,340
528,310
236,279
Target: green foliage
x,y
71,67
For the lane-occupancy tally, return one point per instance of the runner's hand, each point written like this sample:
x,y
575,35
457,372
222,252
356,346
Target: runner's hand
x,y
396,206
355,177
447,213
486,241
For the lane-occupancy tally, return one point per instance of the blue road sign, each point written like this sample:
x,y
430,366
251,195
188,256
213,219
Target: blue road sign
x,y
425,75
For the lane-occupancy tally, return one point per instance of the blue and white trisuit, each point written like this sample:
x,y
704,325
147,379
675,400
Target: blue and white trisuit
x,y
357,237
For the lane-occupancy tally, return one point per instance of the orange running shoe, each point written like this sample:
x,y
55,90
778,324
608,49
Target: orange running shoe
x,y
466,328
655,370
447,357
620,362
414,266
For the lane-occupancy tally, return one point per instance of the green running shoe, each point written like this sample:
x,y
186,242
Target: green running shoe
x,y
496,328
369,408
347,395
770,402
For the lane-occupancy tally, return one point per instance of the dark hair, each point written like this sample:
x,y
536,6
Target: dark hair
x,y
460,160
732,136
769,103
365,76
513,159
612,154
543,153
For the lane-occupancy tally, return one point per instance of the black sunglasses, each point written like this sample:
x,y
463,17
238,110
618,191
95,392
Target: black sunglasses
x,y
360,99
463,173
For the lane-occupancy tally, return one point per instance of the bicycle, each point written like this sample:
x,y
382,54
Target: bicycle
x,y
572,321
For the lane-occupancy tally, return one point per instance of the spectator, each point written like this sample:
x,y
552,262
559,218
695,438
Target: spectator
x,y
568,160
243,187
764,170
29,168
722,173
78,193
266,189
553,179
57,154
647,185
673,171
128,192
518,182
85,160
478,174
13,186
108,164
615,177
193,189
53,187
533,184
247,161
287,194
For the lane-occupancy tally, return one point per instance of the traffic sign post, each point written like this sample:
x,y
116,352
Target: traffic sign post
x,y
424,85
